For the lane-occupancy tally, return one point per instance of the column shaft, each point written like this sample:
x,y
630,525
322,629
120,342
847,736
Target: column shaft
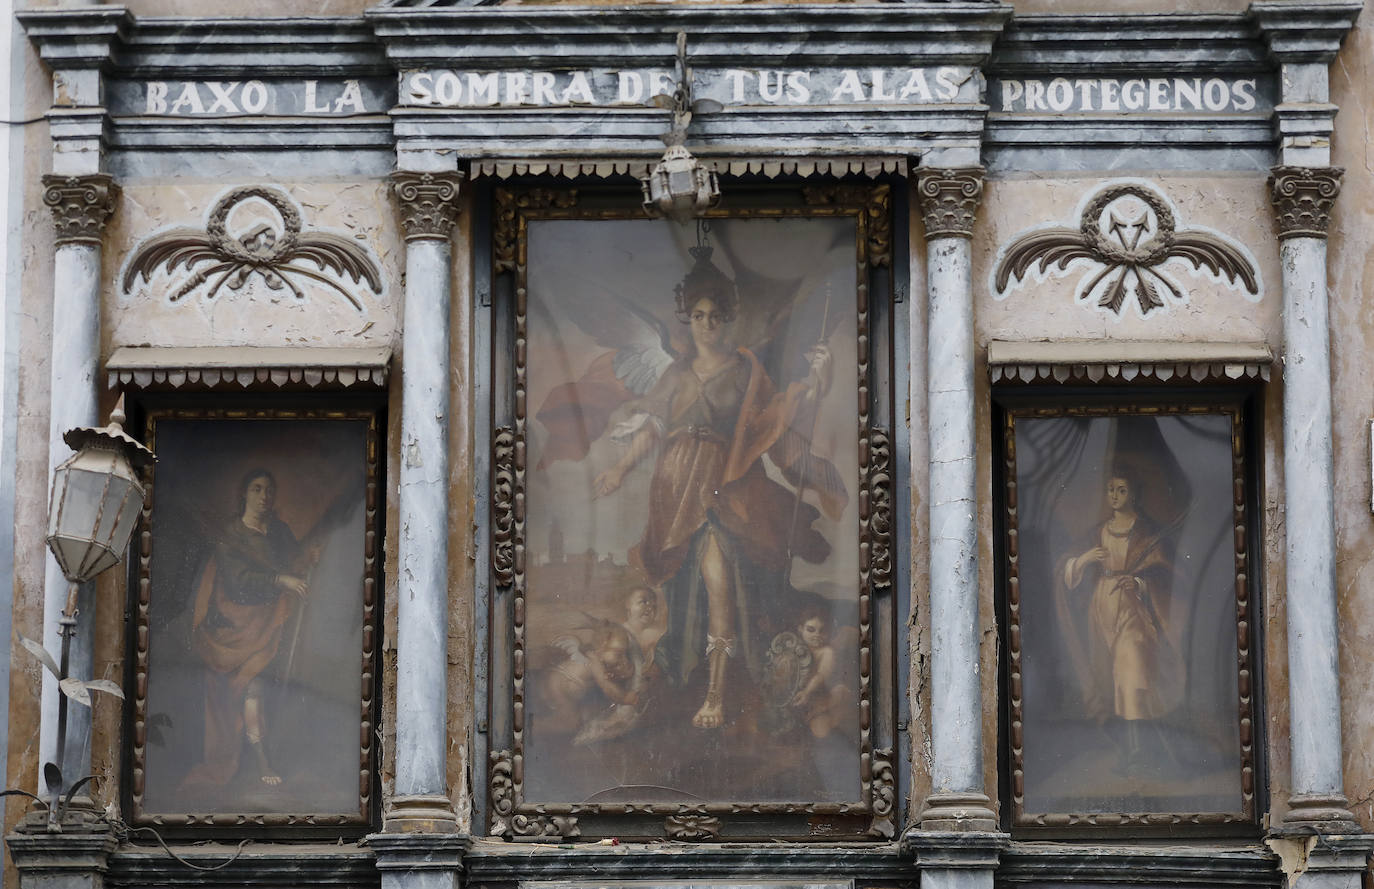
x,y
80,206
421,792
1303,198
949,200
956,692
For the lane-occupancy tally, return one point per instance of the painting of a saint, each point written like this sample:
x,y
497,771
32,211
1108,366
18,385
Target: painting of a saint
x,y
247,594
256,617
1127,613
695,429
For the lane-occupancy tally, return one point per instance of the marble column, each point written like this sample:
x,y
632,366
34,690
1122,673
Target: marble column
x,y
948,201
429,207
81,205
1303,199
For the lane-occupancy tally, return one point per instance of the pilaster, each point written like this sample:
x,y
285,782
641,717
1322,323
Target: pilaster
x,y
1303,38
428,209
77,45
419,861
81,206
948,201
1303,199
955,859
76,857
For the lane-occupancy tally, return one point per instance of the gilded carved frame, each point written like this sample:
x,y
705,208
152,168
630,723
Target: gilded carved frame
x,y
351,819
510,814
1242,588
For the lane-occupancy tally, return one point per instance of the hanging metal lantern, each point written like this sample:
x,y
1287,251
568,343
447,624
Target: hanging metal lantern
x,y
680,187
96,498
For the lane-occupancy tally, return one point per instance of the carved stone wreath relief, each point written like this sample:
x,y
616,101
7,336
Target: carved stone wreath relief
x,y
1126,236
254,231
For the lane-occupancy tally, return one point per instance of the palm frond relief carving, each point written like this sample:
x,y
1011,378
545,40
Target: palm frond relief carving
x,y
268,243
1126,234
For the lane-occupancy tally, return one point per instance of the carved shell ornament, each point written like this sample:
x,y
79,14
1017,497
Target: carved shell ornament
x,y
1125,236
266,242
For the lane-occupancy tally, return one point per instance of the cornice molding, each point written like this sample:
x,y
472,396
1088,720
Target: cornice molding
x,y
76,38
1304,32
725,36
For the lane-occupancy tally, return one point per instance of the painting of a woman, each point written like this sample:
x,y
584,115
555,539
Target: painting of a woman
x,y
247,593
1122,577
719,532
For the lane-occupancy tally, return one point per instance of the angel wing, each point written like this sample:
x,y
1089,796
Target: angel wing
x,y
1219,257
338,255
1051,247
576,413
180,246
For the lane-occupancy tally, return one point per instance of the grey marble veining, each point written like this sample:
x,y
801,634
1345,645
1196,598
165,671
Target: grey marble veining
x,y
1309,522
956,689
72,375
422,549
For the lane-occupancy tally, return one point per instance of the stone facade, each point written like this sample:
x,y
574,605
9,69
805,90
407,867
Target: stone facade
x,y
379,139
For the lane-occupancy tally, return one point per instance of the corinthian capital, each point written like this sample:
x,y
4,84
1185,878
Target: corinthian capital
x,y
949,200
80,205
429,203
1303,197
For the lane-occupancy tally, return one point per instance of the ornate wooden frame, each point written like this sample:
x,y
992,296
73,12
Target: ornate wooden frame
x,y
298,824
510,815
1244,538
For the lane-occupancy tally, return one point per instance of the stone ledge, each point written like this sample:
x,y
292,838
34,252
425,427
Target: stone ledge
x,y
209,366
1097,361
1202,864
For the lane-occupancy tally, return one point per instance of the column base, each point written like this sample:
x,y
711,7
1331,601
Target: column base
x,y
74,856
958,813
422,813
960,859
419,860
1322,861
1320,814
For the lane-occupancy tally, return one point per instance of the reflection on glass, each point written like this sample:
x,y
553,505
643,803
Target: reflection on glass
x,y
256,617
692,628
1128,614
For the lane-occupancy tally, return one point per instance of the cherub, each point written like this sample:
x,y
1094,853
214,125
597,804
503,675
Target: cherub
x,y
601,665
641,621
821,699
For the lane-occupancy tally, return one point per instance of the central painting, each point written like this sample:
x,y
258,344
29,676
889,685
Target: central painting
x,y
686,543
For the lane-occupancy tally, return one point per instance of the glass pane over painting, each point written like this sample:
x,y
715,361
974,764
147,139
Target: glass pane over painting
x,y
1127,568
692,623
255,621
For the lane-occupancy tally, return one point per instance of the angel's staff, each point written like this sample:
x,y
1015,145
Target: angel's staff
x,y
335,516
300,619
786,579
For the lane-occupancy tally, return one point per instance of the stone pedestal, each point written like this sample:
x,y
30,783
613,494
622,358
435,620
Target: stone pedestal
x,y
419,860
77,857
955,859
1322,861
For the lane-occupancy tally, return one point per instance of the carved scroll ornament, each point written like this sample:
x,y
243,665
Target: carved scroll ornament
x,y
1126,233
949,201
278,255
503,506
1303,198
507,822
429,203
81,205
